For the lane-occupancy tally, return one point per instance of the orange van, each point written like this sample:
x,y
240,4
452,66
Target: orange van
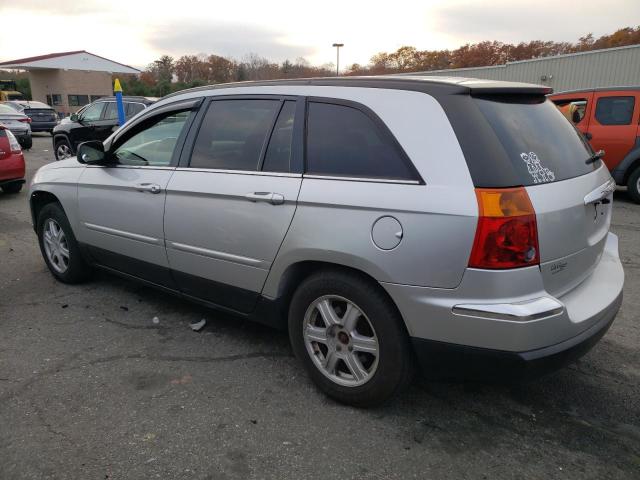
x,y
609,118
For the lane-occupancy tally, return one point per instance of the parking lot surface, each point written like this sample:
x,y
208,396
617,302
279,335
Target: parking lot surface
x,y
92,387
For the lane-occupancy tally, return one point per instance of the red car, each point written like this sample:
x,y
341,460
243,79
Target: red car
x,y
11,162
609,118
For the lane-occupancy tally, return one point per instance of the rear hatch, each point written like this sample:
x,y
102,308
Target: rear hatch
x,y
535,146
40,114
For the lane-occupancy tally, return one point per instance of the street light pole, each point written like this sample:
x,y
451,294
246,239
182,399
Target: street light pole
x,y
338,45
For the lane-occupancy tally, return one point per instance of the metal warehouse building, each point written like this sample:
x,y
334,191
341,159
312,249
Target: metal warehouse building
x,y
598,68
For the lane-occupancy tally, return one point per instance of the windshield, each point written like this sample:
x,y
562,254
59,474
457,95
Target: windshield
x,y
540,143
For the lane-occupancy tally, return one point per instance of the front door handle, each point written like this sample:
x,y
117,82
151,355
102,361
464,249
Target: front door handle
x,y
148,187
269,197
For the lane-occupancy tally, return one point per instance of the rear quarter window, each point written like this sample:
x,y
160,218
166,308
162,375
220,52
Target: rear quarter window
x,y
345,141
539,143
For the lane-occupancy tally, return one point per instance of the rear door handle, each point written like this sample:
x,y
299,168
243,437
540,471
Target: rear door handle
x,y
148,187
269,197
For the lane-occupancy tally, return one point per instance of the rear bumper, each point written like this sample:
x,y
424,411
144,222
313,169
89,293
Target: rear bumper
x,y
509,315
43,126
12,169
445,360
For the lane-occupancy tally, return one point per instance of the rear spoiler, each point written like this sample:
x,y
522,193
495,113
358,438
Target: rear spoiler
x,y
487,87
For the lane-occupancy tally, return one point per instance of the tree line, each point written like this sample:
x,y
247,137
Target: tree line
x,y
410,59
167,74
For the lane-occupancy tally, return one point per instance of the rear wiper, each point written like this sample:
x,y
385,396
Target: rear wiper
x,y
595,157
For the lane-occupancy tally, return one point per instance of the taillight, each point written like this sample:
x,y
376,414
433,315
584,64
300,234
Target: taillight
x,y
507,233
13,142
25,120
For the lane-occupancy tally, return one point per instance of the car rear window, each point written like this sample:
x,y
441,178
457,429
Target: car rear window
x,y
540,144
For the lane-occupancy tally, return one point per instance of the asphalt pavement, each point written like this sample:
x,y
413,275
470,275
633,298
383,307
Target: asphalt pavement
x,y
91,387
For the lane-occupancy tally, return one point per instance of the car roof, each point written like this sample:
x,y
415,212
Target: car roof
x,y
27,103
598,89
421,83
128,98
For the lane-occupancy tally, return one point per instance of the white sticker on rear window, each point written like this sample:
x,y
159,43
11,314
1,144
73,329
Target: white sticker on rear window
x,y
539,173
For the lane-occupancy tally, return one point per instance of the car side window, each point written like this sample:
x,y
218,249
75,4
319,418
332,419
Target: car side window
x,y
93,112
278,155
615,110
111,111
233,133
344,141
155,144
133,109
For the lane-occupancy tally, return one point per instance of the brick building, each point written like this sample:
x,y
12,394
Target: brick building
x,y
69,80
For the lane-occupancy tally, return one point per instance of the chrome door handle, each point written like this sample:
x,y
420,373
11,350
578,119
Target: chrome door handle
x,y
270,197
148,187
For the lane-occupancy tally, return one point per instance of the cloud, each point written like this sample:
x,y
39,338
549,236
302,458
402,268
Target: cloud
x,y
542,20
223,38
60,7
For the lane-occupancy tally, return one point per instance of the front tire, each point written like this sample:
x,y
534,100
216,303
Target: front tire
x,y
350,338
633,185
59,246
62,149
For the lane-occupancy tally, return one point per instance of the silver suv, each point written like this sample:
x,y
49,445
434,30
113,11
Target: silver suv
x,y
459,225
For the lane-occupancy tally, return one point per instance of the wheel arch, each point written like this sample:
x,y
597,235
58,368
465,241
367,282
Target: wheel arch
x,y
37,200
62,136
297,272
634,164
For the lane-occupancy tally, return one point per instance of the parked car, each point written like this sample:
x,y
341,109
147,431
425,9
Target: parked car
x,y
383,220
43,117
609,118
96,121
11,162
18,123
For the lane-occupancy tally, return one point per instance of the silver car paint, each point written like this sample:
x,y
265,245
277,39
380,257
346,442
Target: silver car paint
x,y
116,215
428,312
426,274
215,230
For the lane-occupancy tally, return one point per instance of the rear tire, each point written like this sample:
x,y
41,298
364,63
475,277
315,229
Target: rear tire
x,y
62,149
12,187
59,246
28,143
361,366
633,185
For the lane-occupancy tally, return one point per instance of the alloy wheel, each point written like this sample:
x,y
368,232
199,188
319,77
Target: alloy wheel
x,y
63,151
341,340
55,245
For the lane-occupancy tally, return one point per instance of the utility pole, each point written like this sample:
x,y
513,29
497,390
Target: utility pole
x,y
338,45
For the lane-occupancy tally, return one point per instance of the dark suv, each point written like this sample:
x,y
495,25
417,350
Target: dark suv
x,y
96,121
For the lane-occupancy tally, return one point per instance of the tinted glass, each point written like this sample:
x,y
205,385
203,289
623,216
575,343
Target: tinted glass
x,y
133,109
345,141
111,111
279,151
93,112
155,144
233,133
614,110
540,143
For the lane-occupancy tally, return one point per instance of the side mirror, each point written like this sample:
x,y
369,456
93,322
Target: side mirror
x,y
74,117
92,153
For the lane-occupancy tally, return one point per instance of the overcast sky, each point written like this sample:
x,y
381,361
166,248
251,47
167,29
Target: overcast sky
x,y
138,31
